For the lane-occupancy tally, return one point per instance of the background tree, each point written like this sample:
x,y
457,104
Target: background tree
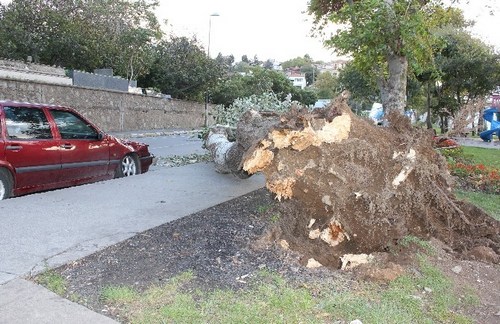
x,y
182,69
363,88
79,34
306,97
423,81
468,70
241,67
297,62
382,36
268,64
327,86
226,62
257,81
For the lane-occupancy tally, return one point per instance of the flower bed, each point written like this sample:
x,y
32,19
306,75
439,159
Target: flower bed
x,y
477,177
472,176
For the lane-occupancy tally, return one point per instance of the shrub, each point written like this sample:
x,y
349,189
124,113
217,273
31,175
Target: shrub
x,y
229,116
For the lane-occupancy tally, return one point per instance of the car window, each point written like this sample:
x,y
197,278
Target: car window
x,y
71,126
26,123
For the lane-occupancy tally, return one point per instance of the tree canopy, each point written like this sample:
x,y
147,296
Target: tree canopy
x,y
256,81
383,37
182,69
467,70
81,34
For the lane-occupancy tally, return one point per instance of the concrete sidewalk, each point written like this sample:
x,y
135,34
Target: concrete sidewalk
x,y
49,229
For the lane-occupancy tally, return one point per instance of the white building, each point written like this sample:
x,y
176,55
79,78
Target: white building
x,y
298,80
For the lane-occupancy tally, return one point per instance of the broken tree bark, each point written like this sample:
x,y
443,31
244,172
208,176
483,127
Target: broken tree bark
x,y
350,187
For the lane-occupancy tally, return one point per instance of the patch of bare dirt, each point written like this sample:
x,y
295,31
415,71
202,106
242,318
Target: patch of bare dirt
x,y
226,245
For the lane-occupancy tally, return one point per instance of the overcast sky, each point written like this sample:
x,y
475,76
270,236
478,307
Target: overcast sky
x,y
279,30
266,28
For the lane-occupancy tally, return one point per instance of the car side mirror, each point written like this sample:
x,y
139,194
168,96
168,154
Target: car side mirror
x,y
100,136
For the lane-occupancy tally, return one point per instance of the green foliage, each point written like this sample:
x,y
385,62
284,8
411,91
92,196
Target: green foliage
x,y
383,37
327,86
378,30
182,69
268,101
468,69
363,88
81,35
297,62
306,96
255,82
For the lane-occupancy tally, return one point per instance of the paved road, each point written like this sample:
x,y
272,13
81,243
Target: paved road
x,y
177,144
477,142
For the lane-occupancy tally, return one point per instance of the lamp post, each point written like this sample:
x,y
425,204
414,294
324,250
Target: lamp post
x,y
208,55
210,30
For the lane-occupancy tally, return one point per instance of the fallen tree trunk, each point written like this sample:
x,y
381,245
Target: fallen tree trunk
x,y
348,186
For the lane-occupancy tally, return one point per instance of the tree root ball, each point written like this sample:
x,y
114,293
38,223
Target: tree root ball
x,y
350,187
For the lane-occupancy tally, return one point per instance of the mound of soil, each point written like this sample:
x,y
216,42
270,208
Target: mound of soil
x,y
227,244
351,187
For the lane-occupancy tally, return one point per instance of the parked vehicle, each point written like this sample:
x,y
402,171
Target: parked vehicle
x,y
45,147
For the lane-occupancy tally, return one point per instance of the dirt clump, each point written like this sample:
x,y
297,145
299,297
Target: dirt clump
x,y
347,186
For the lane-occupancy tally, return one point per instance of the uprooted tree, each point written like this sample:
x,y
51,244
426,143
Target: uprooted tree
x,y
349,187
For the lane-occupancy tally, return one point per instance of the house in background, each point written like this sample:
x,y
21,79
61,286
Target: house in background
x,y
298,79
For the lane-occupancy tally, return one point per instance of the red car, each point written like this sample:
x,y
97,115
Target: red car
x,y
45,147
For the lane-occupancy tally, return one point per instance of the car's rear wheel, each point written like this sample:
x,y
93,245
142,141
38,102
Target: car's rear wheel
x,y
5,184
129,166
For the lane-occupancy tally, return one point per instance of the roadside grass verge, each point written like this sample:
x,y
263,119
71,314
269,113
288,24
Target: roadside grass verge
x,y
53,281
424,295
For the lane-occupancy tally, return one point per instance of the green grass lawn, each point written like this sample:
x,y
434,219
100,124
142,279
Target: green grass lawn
x,y
488,157
488,202
270,298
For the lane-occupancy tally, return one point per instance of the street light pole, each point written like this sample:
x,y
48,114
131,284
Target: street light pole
x,y
208,55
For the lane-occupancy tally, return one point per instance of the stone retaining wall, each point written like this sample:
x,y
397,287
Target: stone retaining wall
x,y
110,110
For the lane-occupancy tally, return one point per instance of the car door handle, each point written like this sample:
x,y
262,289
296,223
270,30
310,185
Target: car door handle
x,y
14,147
67,146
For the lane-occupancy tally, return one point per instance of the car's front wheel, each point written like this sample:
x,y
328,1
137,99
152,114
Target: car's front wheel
x,y
129,166
5,184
